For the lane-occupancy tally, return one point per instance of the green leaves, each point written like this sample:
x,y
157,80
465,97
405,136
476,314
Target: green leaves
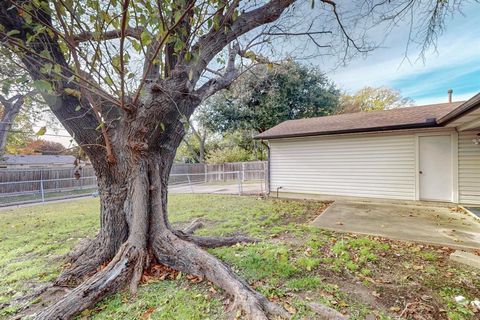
x,y
43,86
12,33
146,37
46,68
136,45
41,131
73,92
6,85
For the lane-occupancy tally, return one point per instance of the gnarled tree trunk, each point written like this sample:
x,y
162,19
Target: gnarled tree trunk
x,y
135,228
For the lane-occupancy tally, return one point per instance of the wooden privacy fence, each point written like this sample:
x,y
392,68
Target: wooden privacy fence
x,y
31,180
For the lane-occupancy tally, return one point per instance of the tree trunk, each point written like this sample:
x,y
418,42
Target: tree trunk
x,y
201,156
4,128
135,231
10,112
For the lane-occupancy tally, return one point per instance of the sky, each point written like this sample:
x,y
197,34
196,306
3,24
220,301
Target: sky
x,y
455,64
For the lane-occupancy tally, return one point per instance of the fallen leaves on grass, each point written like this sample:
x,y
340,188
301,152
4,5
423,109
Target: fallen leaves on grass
x,y
159,271
146,315
418,311
291,309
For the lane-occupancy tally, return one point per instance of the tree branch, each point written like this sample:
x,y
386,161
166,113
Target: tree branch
x,y
109,35
122,47
223,81
63,105
209,45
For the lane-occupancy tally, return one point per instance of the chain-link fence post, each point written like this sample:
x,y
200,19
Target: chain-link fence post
x,y
239,179
190,183
243,171
42,191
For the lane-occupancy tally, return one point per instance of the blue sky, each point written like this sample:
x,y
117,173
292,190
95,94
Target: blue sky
x,y
455,64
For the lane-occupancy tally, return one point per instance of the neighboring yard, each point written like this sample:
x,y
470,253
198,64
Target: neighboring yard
x,y
295,264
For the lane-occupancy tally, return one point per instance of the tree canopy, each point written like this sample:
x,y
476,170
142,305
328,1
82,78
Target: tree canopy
x,y
271,94
371,99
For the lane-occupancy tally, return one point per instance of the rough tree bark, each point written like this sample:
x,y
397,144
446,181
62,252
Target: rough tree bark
x,y
135,229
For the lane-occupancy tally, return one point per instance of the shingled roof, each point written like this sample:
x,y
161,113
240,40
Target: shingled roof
x,y
37,159
393,119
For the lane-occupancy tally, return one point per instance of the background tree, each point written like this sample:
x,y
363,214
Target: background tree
x,y
19,133
44,147
234,146
371,99
194,144
271,94
124,77
20,105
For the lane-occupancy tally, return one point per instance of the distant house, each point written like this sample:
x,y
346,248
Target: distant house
x,y
36,161
418,153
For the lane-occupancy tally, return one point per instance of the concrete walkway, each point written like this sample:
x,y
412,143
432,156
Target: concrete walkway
x,y
434,225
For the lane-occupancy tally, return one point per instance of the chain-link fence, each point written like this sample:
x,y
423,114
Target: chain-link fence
x,y
40,185
223,182
21,186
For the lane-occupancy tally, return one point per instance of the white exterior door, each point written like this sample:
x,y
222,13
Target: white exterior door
x,y
435,167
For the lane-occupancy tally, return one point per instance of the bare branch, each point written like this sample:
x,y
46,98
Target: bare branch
x,y
109,35
223,81
122,47
344,31
157,50
214,41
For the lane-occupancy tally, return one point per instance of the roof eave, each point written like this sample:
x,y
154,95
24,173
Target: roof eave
x,y
373,129
464,108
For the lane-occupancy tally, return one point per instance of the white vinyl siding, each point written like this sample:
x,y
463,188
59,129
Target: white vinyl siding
x,y
468,168
358,166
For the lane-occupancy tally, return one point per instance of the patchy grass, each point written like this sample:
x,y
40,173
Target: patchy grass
x,y
295,264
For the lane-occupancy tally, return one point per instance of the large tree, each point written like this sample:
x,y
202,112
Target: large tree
x,y
372,99
124,77
271,94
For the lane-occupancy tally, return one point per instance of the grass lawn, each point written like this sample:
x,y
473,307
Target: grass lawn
x,y
295,264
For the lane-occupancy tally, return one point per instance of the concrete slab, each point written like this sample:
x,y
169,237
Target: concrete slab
x,y
434,225
474,211
467,258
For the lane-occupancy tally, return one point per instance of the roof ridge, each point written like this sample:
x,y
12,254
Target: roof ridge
x,y
380,111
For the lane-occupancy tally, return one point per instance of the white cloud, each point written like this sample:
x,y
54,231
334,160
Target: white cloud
x,y
457,55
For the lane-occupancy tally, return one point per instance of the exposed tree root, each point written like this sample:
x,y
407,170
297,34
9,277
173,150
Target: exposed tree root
x,y
193,226
126,269
214,242
83,261
188,257
209,241
120,271
326,313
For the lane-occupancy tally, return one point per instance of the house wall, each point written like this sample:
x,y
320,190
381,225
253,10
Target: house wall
x,y
376,166
468,168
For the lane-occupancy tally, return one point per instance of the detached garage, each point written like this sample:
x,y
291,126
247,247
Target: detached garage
x,y
427,153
